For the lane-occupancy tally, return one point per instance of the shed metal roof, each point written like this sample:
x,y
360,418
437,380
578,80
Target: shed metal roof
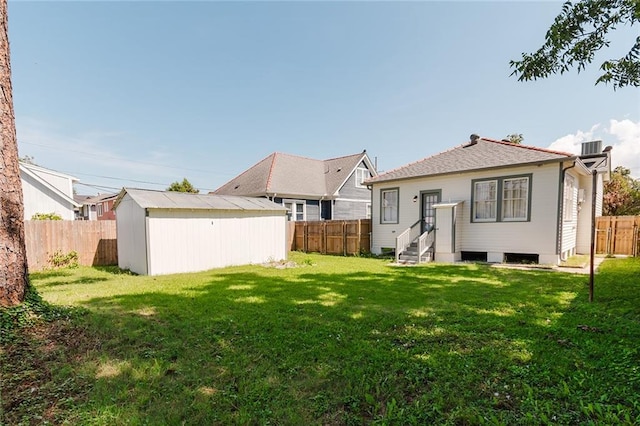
x,y
150,199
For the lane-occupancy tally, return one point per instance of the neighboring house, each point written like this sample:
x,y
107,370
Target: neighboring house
x,y
47,191
309,189
164,232
104,206
97,207
491,201
86,210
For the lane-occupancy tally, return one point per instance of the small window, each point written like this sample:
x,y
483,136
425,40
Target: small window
x,y
296,210
99,209
515,197
485,201
389,206
106,207
569,190
368,214
362,174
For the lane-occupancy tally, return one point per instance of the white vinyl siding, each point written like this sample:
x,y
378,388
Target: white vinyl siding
x,y
40,199
569,237
569,196
583,231
389,205
537,235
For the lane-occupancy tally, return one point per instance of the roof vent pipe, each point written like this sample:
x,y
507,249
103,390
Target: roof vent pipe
x,y
473,139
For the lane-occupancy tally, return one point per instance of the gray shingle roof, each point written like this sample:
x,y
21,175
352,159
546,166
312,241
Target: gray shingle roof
x,y
151,199
293,175
100,197
485,154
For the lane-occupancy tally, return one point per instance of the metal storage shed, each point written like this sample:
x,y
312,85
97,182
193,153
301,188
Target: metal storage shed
x,y
162,232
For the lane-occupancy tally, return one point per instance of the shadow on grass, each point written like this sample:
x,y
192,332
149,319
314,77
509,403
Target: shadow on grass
x,y
430,344
52,273
114,270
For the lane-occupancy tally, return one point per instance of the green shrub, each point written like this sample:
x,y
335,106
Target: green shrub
x,y
61,260
46,216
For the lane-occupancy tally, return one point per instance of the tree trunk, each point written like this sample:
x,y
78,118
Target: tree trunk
x,y
14,277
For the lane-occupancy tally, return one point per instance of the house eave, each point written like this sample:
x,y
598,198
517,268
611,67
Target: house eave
x,y
462,172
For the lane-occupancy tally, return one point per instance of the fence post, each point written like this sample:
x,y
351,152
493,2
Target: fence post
x,y
343,226
359,240
305,235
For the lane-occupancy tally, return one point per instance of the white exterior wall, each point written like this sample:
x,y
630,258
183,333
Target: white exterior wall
x,y
189,241
570,225
583,243
496,238
63,183
131,233
40,199
599,195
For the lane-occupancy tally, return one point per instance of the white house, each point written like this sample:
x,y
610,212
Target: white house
x,y
47,191
491,201
162,232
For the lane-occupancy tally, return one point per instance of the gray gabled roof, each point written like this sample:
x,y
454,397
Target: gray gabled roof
x,y
150,199
100,197
484,154
292,175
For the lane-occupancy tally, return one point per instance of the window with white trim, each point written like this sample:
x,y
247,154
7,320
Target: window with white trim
x,y
389,205
485,201
296,210
505,199
515,199
569,190
362,174
100,209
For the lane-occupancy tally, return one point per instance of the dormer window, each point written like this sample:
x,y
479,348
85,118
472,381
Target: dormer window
x,y
362,174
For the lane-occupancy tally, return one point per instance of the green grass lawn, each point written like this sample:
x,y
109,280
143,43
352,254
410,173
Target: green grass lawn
x,y
332,341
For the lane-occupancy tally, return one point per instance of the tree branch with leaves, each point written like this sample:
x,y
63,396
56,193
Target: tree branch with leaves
x,y
184,186
575,36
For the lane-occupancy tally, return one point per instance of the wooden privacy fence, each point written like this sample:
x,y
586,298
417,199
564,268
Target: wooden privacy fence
x,y
333,236
94,241
618,235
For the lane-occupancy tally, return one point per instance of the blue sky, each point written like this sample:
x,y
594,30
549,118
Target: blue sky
x,y
142,94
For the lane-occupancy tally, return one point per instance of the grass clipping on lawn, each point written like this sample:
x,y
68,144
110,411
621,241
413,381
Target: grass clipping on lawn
x,y
331,341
